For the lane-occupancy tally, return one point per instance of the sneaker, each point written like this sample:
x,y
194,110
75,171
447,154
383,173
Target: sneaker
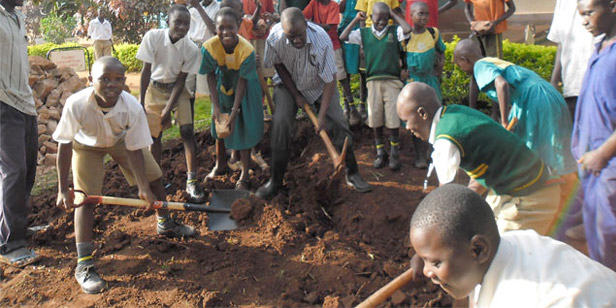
x,y
88,279
194,190
172,228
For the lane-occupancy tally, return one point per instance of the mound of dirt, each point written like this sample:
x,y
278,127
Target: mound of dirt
x,y
299,249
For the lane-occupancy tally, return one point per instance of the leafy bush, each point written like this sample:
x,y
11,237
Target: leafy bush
x,y
56,29
538,58
124,52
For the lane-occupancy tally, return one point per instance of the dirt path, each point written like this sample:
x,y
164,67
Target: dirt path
x,y
297,250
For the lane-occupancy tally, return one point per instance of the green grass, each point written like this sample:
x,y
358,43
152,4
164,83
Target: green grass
x,y
203,119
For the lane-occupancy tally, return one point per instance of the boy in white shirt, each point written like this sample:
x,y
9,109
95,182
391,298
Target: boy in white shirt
x,y
168,57
96,121
454,234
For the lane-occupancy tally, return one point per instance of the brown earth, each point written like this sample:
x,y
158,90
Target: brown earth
x,y
300,249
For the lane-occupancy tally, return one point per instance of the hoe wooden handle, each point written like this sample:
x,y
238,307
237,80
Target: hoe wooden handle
x,y
512,123
328,143
385,292
268,96
180,206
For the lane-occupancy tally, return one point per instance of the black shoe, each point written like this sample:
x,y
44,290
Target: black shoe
x,y
269,190
354,117
394,156
355,181
381,155
88,279
172,228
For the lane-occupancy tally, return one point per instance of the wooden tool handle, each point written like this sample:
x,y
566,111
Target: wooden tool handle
x,y
385,292
158,204
512,123
328,143
268,96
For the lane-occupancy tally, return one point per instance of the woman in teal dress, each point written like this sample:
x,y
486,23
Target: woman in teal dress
x,y
230,66
544,122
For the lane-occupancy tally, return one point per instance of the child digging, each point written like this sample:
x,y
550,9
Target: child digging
x,y
381,45
424,61
230,65
96,121
168,57
453,231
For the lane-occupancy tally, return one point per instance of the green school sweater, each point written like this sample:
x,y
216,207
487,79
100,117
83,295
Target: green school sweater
x,y
382,54
493,156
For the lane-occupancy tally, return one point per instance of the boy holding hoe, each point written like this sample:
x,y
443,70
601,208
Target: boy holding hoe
x,y
168,57
96,121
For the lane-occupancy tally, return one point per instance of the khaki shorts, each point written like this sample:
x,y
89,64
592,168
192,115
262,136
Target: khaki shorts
x,y
382,97
341,73
538,211
156,100
88,172
259,46
101,48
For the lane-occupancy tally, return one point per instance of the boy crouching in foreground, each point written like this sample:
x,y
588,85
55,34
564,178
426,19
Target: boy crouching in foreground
x,y
454,234
96,121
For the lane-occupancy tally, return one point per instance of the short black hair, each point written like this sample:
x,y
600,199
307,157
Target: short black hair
x,y
457,213
177,8
228,11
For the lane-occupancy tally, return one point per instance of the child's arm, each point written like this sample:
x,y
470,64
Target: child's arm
x,y
180,82
344,36
137,166
209,23
63,164
507,14
447,6
146,74
468,12
240,92
502,92
342,6
473,93
257,14
406,28
211,83
557,71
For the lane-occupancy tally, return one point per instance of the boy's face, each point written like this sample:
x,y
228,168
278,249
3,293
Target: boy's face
x,y
597,16
226,29
109,83
464,64
380,19
421,16
418,122
179,23
454,269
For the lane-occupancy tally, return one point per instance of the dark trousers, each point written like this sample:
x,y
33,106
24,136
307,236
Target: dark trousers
x,y
18,153
284,129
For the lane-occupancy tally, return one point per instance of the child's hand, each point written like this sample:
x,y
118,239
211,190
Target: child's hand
x,y
146,194
165,118
215,114
65,200
404,74
593,162
361,16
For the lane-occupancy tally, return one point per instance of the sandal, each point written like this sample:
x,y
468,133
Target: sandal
x,y
19,257
242,185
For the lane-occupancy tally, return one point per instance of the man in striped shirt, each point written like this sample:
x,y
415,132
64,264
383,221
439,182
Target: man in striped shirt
x,y
18,137
303,56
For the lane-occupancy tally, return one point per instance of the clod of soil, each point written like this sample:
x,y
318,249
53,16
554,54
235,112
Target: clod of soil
x,y
240,209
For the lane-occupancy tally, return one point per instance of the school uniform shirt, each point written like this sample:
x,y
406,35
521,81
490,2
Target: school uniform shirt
x,y
311,67
325,15
366,6
490,10
199,32
84,121
381,50
99,31
530,270
168,59
576,45
14,68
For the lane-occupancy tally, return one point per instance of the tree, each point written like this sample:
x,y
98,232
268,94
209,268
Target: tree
x,y
131,19
56,29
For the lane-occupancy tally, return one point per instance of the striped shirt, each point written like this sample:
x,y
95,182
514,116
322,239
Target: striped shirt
x,y
315,59
14,67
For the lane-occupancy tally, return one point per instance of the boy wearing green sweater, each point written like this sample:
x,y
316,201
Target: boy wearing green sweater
x,y
523,194
381,45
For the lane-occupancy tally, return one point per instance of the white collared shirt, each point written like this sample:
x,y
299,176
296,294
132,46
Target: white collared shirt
x,y
446,156
311,67
530,270
84,121
355,35
168,59
199,31
99,31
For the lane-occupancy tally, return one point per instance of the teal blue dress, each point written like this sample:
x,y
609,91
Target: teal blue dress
x,y
229,68
544,122
421,54
351,51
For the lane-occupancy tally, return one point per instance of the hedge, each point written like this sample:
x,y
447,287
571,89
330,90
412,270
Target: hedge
x,y
455,82
125,52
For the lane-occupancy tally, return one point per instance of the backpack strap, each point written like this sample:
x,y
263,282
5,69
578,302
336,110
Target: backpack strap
x,y
432,32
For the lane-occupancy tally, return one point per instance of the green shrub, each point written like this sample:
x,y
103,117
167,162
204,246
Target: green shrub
x,y
124,52
56,29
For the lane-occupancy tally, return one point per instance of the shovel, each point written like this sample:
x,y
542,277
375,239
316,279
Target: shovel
x,y
337,159
385,292
219,214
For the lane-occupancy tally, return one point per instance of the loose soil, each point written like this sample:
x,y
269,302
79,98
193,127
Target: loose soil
x,y
303,248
